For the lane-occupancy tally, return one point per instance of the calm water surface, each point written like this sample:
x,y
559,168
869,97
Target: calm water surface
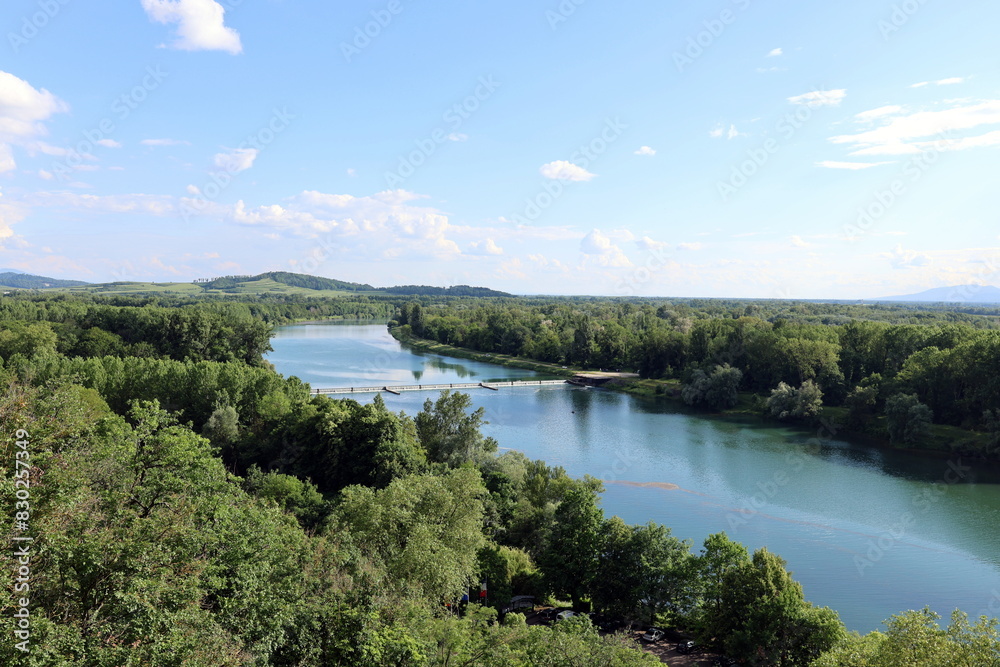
x,y
867,532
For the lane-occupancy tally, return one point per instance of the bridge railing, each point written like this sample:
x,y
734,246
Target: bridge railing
x,y
435,387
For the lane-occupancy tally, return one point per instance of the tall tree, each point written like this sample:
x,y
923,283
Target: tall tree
x,y
449,433
570,559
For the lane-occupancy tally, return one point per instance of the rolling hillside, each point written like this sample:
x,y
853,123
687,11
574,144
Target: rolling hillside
x,y
274,282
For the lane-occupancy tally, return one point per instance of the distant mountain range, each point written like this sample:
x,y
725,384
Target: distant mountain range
x,y
20,280
271,282
956,294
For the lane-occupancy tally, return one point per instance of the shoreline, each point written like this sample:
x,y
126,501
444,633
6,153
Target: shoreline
x,y
941,445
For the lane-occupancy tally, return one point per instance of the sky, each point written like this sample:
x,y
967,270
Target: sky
x,y
728,148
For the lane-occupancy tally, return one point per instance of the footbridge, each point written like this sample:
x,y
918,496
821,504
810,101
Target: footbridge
x,y
397,389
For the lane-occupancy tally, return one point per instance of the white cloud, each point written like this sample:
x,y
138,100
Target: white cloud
x,y
45,175
164,142
200,24
485,247
23,110
648,244
774,52
8,216
689,246
981,141
833,164
6,158
646,150
160,205
236,160
352,172
923,130
879,112
383,225
940,82
820,98
109,143
905,259
600,249
458,136
565,171
721,131
799,243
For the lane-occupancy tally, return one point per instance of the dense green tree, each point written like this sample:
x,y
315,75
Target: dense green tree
x,y
915,639
570,560
644,571
425,530
765,620
718,557
787,402
451,434
293,495
718,389
907,419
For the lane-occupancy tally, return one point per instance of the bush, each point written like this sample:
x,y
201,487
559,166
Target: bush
x,y
908,420
787,402
718,390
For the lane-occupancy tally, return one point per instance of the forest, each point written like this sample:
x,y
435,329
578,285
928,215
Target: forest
x,y
189,506
891,372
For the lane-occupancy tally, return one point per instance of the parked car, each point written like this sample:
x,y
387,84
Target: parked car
x,y
563,615
653,635
686,647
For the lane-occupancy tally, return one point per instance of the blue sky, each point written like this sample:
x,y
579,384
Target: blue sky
x,y
725,148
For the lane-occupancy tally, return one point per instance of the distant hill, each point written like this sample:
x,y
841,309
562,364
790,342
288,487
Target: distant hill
x,y
285,278
303,281
27,281
956,294
271,283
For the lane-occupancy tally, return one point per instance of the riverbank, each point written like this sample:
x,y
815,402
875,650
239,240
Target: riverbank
x,y
943,441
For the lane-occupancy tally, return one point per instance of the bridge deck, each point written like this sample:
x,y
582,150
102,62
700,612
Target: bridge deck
x,y
395,389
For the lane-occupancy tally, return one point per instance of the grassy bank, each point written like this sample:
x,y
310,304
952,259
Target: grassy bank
x,y
943,440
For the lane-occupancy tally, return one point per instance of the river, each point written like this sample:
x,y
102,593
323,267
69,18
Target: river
x,y
868,532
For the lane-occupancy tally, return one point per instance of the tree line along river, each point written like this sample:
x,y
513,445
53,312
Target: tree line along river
x,y
868,532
